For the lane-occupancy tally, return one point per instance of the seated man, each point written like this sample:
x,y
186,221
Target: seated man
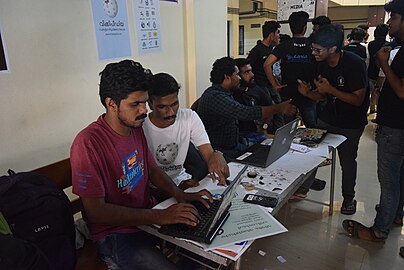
x,y
220,113
112,169
169,129
251,94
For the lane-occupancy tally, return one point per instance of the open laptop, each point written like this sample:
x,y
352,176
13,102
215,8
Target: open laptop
x,y
261,155
211,220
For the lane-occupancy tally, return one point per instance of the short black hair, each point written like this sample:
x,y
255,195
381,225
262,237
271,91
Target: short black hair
x,y
329,36
363,27
395,6
297,21
358,34
221,67
241,62
269,27
321,20
118,80
381,30
163,84
284,37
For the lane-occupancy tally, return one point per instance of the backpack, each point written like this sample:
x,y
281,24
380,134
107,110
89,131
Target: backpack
x,y
38,212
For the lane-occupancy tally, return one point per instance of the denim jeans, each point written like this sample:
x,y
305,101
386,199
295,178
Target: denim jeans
x,y
308,113
347,153
123,251
390,171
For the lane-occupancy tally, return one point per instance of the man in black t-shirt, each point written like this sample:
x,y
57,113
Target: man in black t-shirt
x,y
389,138
373,68
258,55
297,62
341,85
355,46
251,94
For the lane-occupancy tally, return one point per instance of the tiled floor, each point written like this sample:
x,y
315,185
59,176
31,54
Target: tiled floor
x,y
318,241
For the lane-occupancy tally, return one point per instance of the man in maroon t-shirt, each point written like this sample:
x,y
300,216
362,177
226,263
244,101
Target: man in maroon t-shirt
x,y
112,169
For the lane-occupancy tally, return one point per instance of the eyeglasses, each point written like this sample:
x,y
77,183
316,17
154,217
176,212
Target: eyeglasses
x,y
317,50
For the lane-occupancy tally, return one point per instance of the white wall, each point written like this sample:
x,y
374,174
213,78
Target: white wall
x,y
51,92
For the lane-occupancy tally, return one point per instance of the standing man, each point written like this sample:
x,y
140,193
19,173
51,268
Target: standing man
x,y
220,113
297,62
342,85
319,22
374,68
258,55
355,44
169,131
389,137
112,169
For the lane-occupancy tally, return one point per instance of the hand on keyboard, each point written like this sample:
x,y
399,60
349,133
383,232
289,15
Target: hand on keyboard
x,y
195,196
180,213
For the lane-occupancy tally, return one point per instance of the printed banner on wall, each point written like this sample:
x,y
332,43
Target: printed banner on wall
x,y
4,67
286,7
147,25
111,28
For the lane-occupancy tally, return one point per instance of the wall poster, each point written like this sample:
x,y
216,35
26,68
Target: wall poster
x,y
147,25
110,19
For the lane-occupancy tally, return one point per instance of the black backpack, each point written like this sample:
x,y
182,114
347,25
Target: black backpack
x,y
38,212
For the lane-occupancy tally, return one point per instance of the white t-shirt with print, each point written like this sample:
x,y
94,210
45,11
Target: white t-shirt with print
x,y
169,145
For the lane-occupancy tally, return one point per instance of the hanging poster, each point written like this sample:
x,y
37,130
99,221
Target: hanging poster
x,y
287,7
4,67
147,25
110,19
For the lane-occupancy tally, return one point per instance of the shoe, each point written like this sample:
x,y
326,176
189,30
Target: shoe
x,y
359,231
348,208
397,220
318,184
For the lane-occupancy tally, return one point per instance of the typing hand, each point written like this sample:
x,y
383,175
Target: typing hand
x,y
196,196
184,213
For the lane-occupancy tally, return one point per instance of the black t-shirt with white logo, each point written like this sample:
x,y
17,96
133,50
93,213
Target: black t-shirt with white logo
x,y
348,76
297,62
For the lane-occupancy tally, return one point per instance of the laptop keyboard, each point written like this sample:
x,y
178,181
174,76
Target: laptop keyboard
x,y
200,230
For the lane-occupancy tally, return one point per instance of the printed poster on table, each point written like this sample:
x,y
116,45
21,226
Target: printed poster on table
x,y
111,28
147,25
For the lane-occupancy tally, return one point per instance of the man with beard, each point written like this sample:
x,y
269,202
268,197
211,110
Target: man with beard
x,y
250,94
389,138
220,113
341,85
112,169
169,131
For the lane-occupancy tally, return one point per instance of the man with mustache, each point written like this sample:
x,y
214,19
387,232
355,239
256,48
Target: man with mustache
x,y
112,169
220,112
250,94
170,129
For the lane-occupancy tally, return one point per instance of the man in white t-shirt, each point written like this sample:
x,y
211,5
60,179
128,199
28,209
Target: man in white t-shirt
x,y
170,129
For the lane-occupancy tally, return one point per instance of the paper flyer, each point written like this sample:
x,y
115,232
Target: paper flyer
x,y
246,222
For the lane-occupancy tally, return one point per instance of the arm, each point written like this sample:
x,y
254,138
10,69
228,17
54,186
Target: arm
x,y
216,163
304,88
269,72
285,107
355,98
396,83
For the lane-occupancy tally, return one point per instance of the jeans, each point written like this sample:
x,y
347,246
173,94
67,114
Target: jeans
x,y
308,113
132,251
347,153
390,171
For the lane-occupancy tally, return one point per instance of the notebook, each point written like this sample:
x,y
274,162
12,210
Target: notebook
x,y
262,155
212,219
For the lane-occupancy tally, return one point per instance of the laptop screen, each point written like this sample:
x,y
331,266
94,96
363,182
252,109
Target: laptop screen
x,y
227,196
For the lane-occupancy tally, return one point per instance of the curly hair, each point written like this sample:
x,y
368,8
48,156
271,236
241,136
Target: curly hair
x,y
221,67
118,80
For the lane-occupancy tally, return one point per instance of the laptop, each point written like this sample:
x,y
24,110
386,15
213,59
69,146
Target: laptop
x,y
212,219
262,155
